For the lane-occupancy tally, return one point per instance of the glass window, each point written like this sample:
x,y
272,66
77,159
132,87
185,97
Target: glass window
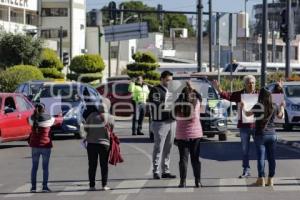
x,y
55,12
52,33
292,91
22,104
31,18
20,88
10,103
16,15
121,89
3,13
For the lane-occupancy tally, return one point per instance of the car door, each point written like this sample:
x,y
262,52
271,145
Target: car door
x,y
25,110
122,105
10,125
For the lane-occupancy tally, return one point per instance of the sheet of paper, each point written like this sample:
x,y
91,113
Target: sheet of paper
x,y
278,99
52,105
249,101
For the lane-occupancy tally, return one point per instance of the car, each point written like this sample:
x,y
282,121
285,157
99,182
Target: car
x,y
15,110
30,88
214,112
73,101
291,91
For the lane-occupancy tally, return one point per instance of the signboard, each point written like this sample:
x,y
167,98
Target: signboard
x,y
27,4
126,32
224,29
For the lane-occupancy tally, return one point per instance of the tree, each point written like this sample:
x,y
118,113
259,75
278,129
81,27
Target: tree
x,y
50,64
19,49
86,68
145,65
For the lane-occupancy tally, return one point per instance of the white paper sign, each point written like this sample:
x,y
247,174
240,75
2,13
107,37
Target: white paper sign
x,y
52,105
278,99
249,101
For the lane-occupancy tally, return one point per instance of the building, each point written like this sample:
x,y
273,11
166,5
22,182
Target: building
x,y
19,16
71,16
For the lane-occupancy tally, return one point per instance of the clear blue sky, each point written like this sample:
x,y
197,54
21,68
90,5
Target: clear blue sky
x,y
185,5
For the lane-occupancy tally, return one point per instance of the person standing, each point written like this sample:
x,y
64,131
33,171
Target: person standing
x,y
246,129
162,125
188,132
98,144
41,144
265,138
140,92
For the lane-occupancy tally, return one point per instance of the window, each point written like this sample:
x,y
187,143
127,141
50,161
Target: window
x,y
22,104
114,52
31,18
53,33
10,103
121,89
54,12
16,15
3,13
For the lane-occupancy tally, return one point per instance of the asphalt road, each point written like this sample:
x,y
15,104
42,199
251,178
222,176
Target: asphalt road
x,y
221,163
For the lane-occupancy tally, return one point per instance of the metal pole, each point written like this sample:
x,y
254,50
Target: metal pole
x,y
245,50
288,39
200,36
264,44
60,43
109,59
71,32
210,35
231,51
218,44
119,43
273,37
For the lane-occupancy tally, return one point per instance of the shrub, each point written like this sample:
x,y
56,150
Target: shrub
x,y
87,64
142,66
52,73
12,77
86,78
49,59
147,57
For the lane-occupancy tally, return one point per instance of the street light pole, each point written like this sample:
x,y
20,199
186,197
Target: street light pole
x,y
210,34
119,43
245,50
288,39
264,43
200,36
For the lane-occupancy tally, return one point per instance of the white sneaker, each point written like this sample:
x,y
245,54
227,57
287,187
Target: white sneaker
x,y
105,188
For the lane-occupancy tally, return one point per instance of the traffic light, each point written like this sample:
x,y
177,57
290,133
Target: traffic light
x,y
65,58
112,6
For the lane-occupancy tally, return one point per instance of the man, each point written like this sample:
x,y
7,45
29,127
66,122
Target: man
x,y
140,92
163,126
246,129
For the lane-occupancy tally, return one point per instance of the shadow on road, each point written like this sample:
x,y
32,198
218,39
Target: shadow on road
x,y
7,146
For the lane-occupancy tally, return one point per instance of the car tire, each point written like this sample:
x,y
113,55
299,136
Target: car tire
x,y
81,134
222,137
210,136
286,126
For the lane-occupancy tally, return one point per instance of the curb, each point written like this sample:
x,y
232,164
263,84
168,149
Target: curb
x,y
289,143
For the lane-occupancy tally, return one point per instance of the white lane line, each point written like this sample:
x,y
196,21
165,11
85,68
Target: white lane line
x,y
149,172
173,184
233,185
129,187
286,184
76,189
122,197
20,192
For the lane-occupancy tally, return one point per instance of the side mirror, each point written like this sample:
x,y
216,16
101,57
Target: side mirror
x,y
9,110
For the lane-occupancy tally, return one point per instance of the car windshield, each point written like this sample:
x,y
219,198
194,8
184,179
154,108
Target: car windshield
x,y
35,87
292,90
67,93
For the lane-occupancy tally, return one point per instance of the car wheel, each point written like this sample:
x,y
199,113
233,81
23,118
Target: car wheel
x,y
286,126
222,137
81,133
210,136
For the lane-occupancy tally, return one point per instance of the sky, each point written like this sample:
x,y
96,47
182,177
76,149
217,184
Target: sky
x,y
186,5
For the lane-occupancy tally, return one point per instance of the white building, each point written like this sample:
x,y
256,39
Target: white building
x,y
18,16
71,15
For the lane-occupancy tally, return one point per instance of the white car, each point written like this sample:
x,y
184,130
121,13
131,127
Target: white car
x,y
291,92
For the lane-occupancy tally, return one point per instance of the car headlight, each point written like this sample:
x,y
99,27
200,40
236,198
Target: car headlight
x,y
295,107
72,114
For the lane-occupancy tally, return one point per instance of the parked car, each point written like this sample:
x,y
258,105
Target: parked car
x,y
30,88
291,91
15,110
71,100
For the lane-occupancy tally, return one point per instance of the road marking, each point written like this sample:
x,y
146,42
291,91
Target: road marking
x,y
122,197
76,189
129,187
20,192
149,172
233,185
173,184
286,184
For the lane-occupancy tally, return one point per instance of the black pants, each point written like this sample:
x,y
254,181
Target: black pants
x,y
95,151
141,108
185,148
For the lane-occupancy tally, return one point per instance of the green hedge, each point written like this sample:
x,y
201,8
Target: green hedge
x,y
142,66
146,57
135,73
52,73
86,78
49,59
152,75
12,77
87,64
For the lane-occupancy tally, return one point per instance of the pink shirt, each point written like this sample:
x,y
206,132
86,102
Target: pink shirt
x,y
189,128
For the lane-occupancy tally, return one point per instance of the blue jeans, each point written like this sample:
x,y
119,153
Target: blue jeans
x,y
266,145
36,153
245,134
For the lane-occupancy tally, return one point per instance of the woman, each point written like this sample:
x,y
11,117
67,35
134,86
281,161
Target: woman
x,y
41,144
188,132
265,136
98,144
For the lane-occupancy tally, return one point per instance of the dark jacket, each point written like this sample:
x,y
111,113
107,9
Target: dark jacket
x,y
236,97
157,98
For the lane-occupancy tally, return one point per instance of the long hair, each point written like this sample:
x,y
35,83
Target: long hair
x,y
186,102
39,109
265,99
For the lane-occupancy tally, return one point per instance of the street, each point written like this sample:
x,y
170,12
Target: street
x,y
221,165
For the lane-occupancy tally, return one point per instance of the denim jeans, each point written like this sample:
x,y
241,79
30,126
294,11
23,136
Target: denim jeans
x,y
36,153
266,145
139,110
245,134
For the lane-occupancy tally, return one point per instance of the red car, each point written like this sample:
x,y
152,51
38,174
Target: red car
x,y
15,109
